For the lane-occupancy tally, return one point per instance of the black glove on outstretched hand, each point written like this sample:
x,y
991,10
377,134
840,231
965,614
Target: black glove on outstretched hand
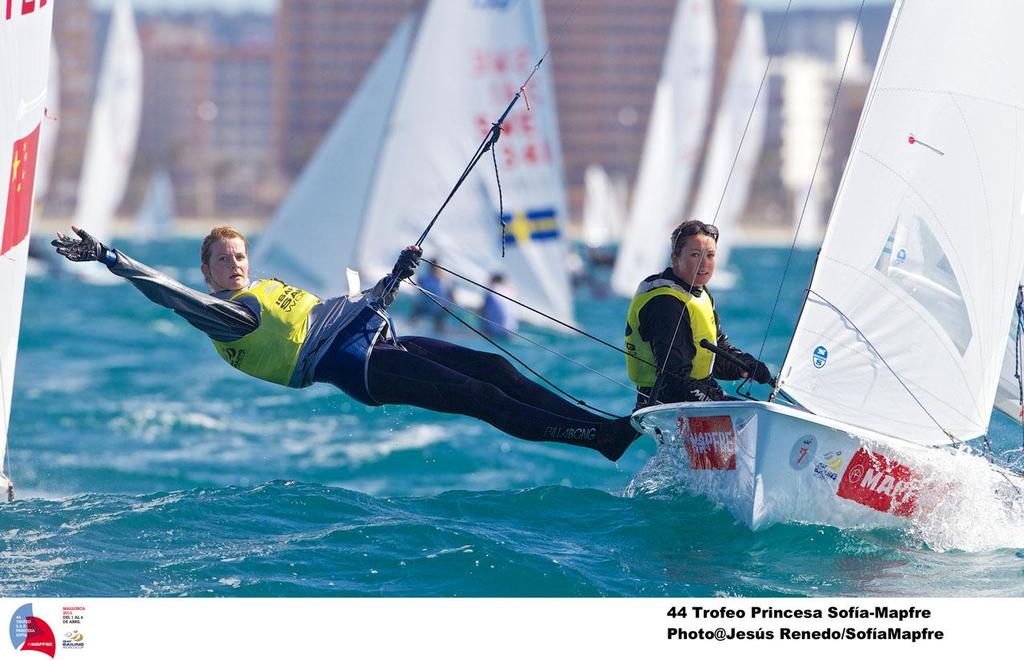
x,y
407,262
84,248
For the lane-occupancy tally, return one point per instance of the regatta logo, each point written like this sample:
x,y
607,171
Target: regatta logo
x,y
803,452
710,442
820,357
560,433
828,467
901,256
537,225
30,633
880,483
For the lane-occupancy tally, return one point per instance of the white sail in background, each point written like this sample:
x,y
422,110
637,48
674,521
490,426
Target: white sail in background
x,y
24,40
155,218
410,148
113,127
315,233
50,128
1008,393
904,330
604,208
675,133
804,120
738,118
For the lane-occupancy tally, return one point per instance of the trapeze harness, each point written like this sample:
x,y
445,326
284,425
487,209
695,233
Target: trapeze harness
x,y
639,352
271,351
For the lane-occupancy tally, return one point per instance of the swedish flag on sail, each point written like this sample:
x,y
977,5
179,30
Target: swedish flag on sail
x,y
536,225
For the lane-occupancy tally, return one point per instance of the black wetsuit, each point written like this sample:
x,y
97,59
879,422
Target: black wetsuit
x,y
419,371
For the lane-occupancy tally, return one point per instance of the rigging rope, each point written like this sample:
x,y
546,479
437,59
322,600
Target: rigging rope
x,y
437,301
807,197
568,326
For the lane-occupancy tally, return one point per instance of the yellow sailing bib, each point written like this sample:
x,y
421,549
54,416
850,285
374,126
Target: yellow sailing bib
x,y
640,354
271,351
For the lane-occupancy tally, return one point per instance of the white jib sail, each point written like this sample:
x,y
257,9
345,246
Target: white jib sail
x,y
24,63
671,149
604,208
113,127
904,329
468,61
314,235
716,201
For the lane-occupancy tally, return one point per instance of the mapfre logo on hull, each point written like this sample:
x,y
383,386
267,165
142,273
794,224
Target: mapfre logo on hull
x,y
880,483
710,442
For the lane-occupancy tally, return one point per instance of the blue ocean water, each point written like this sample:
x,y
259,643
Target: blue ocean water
x,y
147,467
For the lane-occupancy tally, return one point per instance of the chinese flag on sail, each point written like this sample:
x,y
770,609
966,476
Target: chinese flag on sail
x,y
19,191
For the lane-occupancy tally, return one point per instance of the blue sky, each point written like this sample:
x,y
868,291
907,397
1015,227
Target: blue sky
x,y
268,5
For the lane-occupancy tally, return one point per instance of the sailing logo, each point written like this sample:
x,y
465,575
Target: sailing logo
x,y
803,452
537,225
19,191
30,633
901,256
879,483
820,357
710,442
827,469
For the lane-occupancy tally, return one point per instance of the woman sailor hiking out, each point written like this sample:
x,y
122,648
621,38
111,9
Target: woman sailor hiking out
x,y
671,314
288,336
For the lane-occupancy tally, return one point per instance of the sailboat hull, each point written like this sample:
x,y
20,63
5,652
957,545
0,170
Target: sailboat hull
x,y
767,463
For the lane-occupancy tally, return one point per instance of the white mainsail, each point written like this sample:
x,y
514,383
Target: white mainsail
x,y
113,127
672,146
24,63
904,328
315,233
412,146
724,187
155,218
604,208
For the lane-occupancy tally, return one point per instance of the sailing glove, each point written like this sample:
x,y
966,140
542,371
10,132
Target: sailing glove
x,y
407,262
759,372
84,248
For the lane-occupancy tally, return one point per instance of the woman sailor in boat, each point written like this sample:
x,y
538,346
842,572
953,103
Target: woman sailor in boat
x,y
288,336
671,312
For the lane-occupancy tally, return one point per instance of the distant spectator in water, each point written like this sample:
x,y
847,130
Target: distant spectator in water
x,y
499,316
433,282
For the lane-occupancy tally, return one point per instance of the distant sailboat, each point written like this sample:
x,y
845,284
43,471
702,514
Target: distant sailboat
x,y
25,39
736,141
604,208
674,136
155,218
401,143
113,128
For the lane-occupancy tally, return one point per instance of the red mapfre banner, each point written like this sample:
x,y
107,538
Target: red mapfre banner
x,y
880,483
710,442
19,191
